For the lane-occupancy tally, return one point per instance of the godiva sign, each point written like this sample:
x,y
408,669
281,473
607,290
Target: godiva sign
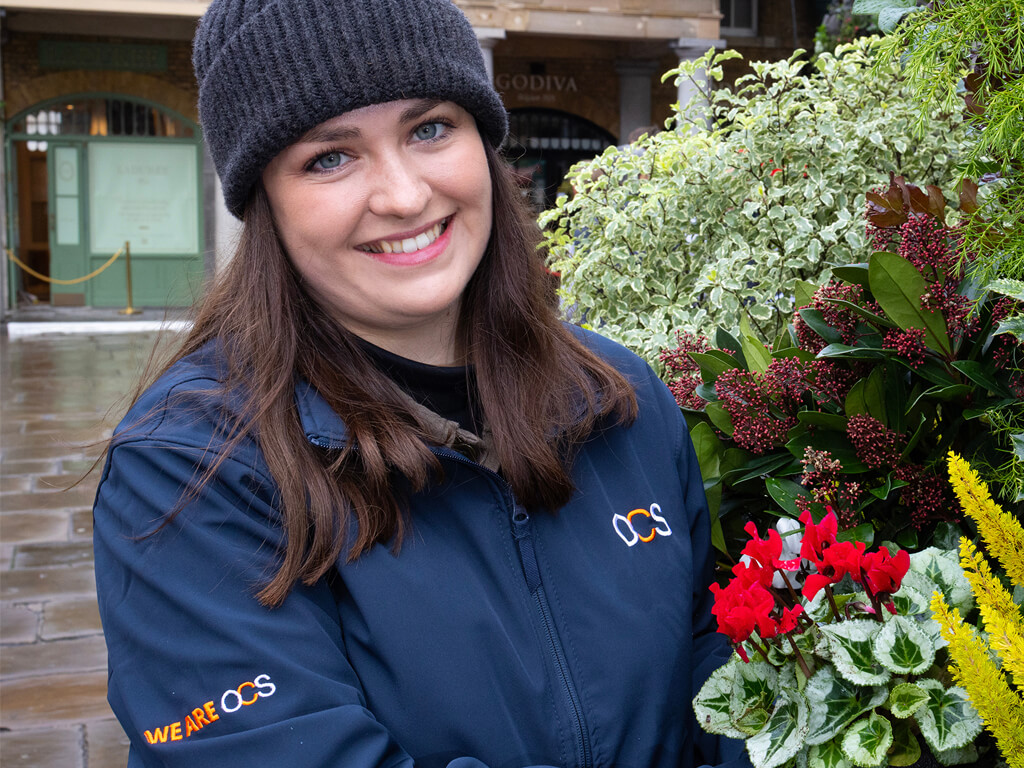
x,y
536,83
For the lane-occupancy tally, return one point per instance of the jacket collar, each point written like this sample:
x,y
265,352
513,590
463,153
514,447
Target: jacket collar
x,y
325,428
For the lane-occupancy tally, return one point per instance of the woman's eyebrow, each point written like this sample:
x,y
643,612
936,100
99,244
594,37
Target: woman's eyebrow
x,y
418,110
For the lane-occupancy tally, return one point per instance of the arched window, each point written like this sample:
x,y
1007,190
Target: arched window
x,y
100,117
544,144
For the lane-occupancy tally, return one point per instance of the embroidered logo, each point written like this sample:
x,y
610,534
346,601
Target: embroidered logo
x,y
649,525
232,700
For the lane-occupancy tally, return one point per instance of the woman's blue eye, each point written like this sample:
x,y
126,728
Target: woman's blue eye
x,y
329,161
429,131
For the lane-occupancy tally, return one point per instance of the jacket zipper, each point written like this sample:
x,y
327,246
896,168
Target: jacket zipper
x,y
528,556
531,570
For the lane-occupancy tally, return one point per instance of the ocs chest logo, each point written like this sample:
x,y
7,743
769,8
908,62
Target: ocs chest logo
x,y
641,526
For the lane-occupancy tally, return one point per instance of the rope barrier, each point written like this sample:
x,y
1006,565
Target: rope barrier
x,y
90,276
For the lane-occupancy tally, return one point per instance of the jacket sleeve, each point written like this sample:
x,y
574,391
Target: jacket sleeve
x,y
200,673
711,649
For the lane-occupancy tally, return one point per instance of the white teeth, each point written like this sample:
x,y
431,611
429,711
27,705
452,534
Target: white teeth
x,y
410,244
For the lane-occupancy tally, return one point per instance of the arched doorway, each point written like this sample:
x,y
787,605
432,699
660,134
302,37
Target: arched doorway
x,y
88,172
545,143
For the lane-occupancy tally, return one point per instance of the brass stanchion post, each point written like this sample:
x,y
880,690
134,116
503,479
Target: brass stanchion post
x,y
129,310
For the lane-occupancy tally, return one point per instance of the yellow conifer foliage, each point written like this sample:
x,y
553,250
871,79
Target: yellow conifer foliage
x,y
973,666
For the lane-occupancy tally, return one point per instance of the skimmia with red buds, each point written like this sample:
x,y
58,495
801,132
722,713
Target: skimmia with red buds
x,y
822,675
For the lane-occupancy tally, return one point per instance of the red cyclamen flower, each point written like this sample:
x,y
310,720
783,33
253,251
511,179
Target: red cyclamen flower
x,y
766,552
883,573
840,559
817,537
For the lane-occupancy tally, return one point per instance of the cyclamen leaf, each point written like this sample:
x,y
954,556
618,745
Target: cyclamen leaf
x,y
711,705
947,719
852,651
867,741
868,7
835,702
905,699
827,755
905,749
785,733
754,688
890,18
942,568
903,648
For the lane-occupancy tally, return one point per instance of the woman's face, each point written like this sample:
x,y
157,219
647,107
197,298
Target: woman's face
x,y
385,211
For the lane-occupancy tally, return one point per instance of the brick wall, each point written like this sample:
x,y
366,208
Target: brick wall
x,y
27,84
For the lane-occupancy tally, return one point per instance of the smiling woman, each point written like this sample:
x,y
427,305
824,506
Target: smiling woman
x,y
381,483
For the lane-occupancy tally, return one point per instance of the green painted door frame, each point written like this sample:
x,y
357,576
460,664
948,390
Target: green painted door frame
x,y
172,278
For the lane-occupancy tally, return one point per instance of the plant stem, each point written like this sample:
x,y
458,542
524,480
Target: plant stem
x,y
799,657
832,604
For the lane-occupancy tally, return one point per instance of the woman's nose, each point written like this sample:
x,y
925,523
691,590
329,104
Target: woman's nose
x,y
399,187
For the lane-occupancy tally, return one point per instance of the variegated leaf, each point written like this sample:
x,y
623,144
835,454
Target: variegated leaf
x,y
711,706
835,702
905,699
905,749
942,566
754,688
903,648
827,755
948,720
851,645
868,740
785,733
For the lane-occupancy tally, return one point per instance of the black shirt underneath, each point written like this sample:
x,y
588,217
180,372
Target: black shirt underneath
x,y
449,392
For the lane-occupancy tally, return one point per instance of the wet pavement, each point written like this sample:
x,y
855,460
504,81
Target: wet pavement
x,y
60,396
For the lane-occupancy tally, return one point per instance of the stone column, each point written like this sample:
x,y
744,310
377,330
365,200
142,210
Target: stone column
x,y
634,95
488,37
688,49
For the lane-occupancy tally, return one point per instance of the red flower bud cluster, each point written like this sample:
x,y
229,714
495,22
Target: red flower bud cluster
x,y
925,243
831,381
763,406
684,372
839,316
926,495
876,445
908,343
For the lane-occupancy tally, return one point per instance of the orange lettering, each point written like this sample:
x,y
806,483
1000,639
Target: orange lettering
x,y
200,717
175,731
210,711
157,735
250,701
190,726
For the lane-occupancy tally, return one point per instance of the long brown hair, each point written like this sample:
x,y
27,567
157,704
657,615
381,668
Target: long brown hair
x,y
541,392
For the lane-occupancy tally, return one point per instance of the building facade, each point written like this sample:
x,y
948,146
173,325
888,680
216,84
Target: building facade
x,y
101,144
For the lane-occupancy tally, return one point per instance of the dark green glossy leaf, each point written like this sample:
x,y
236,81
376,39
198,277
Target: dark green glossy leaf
x,y
876,320
832,421
711,365
816,321
856,274
981,375
853,353
785,492
758,466
897,287
719,417
865,532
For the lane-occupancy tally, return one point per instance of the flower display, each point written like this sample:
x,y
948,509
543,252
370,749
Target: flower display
x,y
824,677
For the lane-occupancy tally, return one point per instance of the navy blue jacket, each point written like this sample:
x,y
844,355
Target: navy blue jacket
x,y
493,638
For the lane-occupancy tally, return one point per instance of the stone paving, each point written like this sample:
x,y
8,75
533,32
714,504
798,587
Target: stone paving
x,y
59,399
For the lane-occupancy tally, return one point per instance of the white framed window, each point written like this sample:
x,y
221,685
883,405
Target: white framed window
x,y
739,18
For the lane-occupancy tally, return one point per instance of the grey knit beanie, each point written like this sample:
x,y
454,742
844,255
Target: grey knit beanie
x,y
269,70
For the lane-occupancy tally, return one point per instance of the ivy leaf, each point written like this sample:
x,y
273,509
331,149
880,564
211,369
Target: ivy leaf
x,y
867,741
785,733
1008,287
947,719
902,648
753,693
835,702
897,286
905,699
827,755
711,706
851,644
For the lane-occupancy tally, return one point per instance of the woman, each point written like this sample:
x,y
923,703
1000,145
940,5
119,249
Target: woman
x,y
383,508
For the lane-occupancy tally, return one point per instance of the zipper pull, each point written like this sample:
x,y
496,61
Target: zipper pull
x,y
527,554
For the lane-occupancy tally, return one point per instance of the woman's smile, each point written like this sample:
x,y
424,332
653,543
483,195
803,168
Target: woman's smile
x,y
413,247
